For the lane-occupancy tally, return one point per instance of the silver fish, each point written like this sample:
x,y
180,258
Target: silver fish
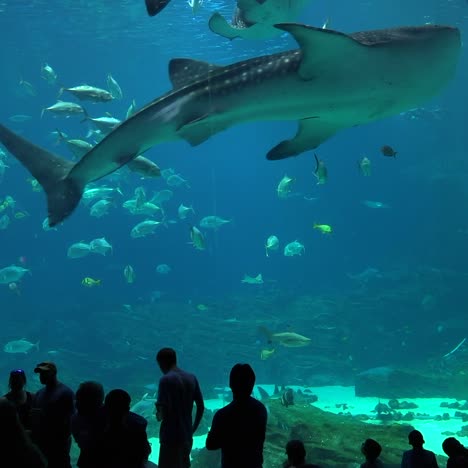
x,y
21,346
64,108
48,74
114,87
89,93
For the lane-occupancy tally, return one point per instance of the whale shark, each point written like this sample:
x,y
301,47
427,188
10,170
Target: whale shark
x,y
255,19
332,82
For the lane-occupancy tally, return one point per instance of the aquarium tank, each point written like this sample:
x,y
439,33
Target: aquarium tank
x,y
279,183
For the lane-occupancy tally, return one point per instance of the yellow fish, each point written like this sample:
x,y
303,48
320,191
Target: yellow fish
x,y
266,353
323,228
90,282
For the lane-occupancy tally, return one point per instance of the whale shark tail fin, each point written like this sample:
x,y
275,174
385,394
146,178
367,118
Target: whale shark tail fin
x,y
51,171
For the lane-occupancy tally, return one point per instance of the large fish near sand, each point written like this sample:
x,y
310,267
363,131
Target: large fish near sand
x,y
334,81
256,19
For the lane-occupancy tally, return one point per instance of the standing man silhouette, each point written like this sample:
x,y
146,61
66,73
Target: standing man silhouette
x,y
178,391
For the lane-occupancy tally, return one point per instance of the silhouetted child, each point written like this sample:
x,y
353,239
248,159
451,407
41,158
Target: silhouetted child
x,y
418,457
53,407
88,423
371,449
16,449
457,453
239,428
125,442
21,398
296,453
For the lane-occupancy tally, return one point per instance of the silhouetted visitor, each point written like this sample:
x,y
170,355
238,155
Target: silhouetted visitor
x,y
296,453
16,448
87,424
418,457
239,428
177,392
371,449
53,407
21,398
125,442
456,452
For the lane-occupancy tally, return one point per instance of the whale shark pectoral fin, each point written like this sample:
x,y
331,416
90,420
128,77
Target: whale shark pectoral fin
x,y
198,133
183,72
220,26
323,46
310,134
200,129
195,138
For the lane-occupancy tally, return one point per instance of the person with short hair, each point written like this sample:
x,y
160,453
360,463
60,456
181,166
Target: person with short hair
x,y
87,424
53,407
418,457
177,392
239,428
296,452
371,449
125,442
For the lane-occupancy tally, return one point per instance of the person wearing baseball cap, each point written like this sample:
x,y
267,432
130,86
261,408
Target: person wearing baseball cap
x,y
45,367
53,407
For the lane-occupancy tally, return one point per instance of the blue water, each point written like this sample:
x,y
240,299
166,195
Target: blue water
x,y
425,185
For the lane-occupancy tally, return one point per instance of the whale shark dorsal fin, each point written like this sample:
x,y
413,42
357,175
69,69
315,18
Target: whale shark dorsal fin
x,y
183,72
319,46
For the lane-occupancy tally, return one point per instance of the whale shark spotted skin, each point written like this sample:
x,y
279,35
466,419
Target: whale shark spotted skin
x,y
334,81
255,19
